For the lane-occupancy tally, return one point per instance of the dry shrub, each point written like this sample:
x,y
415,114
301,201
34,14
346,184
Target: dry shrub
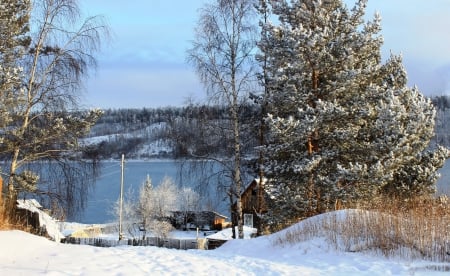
x,y
418,228
8,223
420,225
4,222
297,233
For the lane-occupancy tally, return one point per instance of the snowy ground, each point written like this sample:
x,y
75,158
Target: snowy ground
x,y
24,254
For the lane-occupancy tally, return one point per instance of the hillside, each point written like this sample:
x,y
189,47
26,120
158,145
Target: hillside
x,y
173,132
170,132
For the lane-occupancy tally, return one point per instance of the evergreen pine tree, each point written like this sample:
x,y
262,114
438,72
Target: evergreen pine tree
x,y
344,126
14,26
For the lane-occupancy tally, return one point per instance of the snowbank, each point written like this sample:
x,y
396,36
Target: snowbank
x,y
227,233
26,254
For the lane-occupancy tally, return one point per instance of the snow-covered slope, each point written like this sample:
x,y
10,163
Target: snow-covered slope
x,y
25,254
137,143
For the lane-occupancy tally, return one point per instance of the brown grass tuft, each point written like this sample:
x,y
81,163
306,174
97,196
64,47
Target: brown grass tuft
x,y
4,223
413,229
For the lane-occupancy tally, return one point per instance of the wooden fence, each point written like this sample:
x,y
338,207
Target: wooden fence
x,y
183,244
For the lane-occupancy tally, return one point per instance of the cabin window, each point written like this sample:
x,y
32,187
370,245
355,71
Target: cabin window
x,y
248,220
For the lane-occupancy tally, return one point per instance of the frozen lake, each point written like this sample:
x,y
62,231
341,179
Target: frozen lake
x,y
107,189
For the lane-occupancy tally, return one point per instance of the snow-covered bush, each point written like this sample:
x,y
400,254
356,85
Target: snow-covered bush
x,y
155,206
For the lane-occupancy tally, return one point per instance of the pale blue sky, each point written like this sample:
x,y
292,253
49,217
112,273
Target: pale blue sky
x,y
144,65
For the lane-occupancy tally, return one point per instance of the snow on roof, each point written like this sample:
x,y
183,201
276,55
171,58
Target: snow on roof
x,y
45,220
264,180
220,215
29,204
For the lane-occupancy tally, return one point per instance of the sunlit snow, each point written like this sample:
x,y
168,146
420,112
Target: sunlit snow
x,y
26,254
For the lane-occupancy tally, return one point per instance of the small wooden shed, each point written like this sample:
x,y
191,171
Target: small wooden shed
x,y
254,201
207,220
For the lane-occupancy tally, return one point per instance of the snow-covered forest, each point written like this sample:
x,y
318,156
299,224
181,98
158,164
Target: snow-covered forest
x,y
442,127
163,132
166,132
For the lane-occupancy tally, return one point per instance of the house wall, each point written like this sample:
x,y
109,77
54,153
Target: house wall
x,y
249,199
202,219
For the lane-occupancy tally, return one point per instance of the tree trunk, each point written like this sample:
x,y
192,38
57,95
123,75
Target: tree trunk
x,y
238,181
233,213
313,147
260,194
237,169
12,196
1,196
12,171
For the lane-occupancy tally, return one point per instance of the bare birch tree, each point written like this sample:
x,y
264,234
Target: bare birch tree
x,y
188,201
222,54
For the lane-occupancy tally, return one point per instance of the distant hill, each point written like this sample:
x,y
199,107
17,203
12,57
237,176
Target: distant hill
x,y
170,132
442,127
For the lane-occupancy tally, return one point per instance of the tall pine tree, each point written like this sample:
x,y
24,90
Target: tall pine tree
x,y
344,126
14,28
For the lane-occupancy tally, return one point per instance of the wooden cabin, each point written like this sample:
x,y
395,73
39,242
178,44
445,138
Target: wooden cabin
x,y
254,203
34,217
205,220
253,198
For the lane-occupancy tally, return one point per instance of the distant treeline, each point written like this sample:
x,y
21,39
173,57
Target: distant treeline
x,y
135,116
442,127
